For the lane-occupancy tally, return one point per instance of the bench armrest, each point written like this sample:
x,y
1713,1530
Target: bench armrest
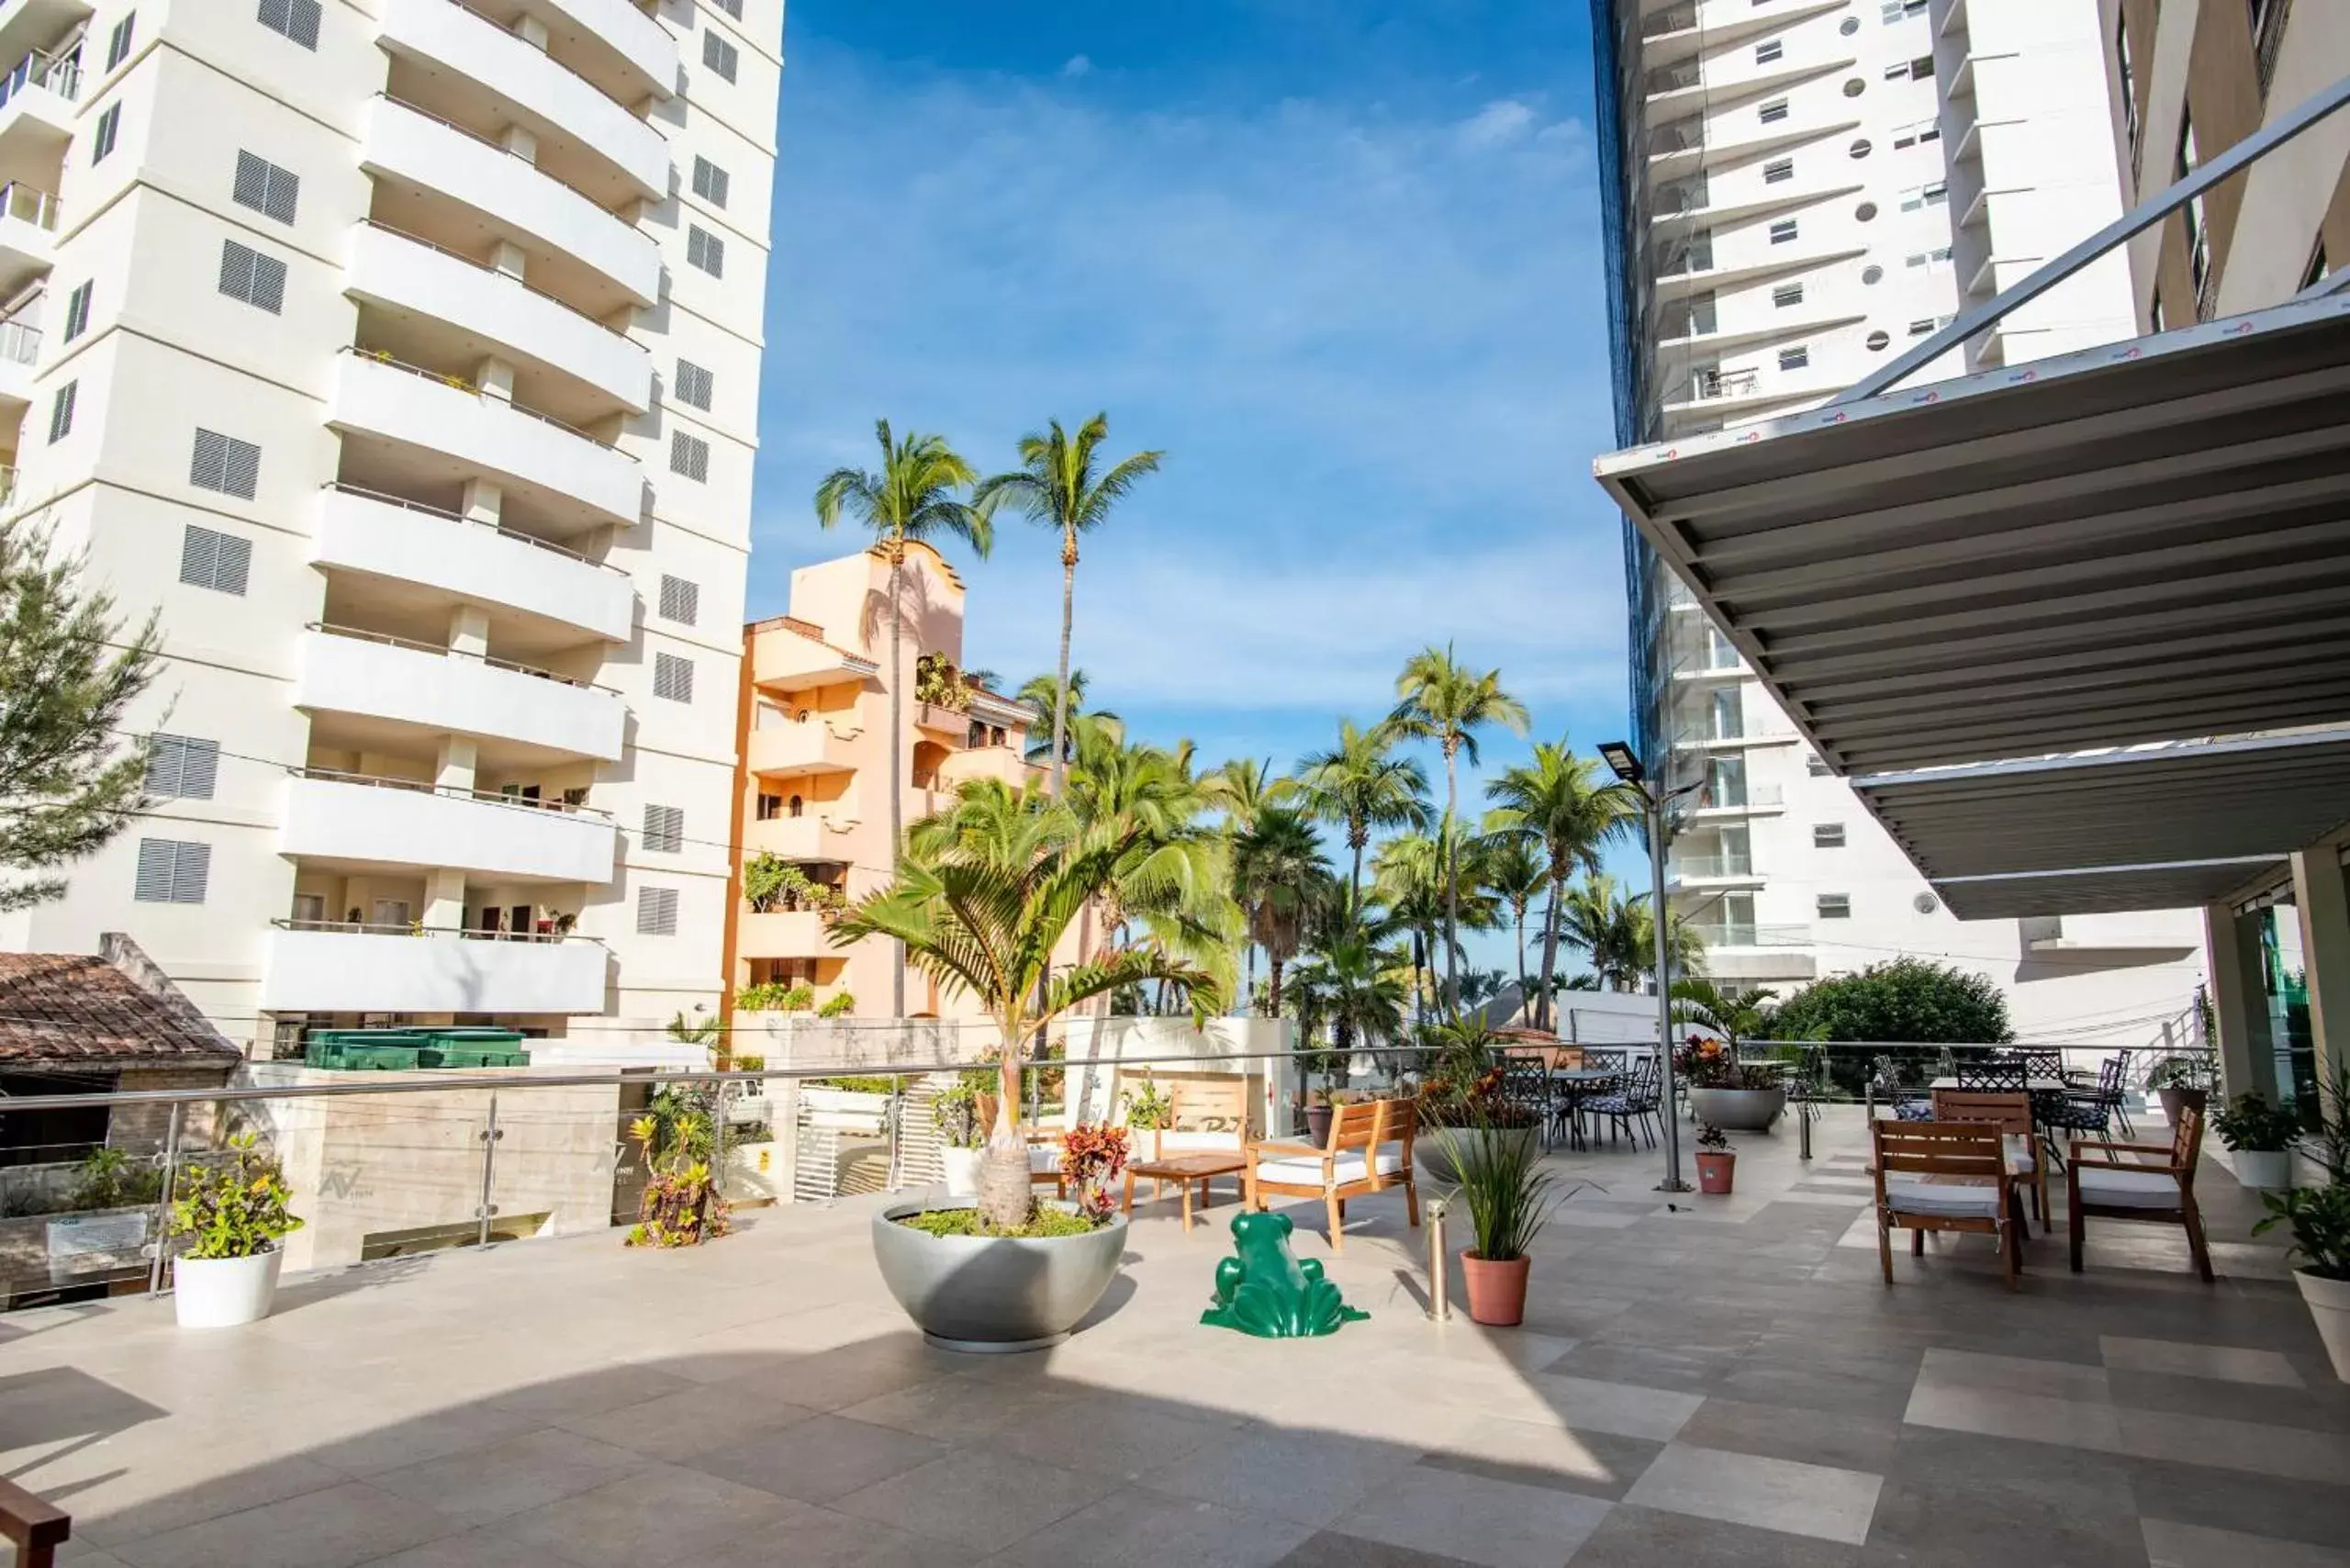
x,y
1279,1148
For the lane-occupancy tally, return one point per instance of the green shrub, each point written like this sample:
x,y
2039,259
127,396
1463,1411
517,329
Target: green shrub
x,y
1048,1221
234,1209
839,1006
1908,1000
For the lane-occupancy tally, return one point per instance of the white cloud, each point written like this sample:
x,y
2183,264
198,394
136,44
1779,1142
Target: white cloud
x,y
1078,65
1503,121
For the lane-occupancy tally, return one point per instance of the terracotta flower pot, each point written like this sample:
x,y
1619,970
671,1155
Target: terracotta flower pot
x,y
1496,1289
1717,1170
1318,1125
2176,1101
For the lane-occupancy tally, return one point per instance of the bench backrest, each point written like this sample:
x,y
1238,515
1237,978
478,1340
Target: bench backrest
x,y
1210,1115
2010,1111
1936,1149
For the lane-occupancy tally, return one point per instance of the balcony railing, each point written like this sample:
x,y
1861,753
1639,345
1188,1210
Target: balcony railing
x,y
406,505
29,203
650,9
464,384
385,638
485,266
1673,78
60,76
1708,384
450,791
1745,798
1672,19
508,151
1732,933
19,344
1713,865
369,928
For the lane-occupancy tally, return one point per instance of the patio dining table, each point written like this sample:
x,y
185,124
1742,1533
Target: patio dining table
x,y
1572,1084
2032,1085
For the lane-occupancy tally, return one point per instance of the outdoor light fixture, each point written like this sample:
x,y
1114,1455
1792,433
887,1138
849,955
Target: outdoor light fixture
x,y
1619,756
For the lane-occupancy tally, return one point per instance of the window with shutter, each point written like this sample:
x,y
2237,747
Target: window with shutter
x,y
719,55
225,463
180,768
267,189
657,911
172,870
664,830
210,559
694,386
77,312
296,19
60,413
673,678
1828,836
680,600
247,274
732,7
709,181
689,455
102,139
705,250
119,41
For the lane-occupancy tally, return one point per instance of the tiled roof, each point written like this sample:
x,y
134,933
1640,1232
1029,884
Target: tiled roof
x,y
80,1009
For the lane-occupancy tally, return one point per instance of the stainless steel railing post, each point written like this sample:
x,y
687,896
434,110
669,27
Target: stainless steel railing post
x,y
163,1202
489,1136
1439,1283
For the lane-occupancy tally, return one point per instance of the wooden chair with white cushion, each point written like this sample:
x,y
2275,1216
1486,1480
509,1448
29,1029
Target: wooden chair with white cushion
x,y
1945,1176
2141,1181
1370,1150
2011,1111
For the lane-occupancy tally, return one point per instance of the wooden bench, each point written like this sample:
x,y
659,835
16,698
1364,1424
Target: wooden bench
x,y
37,1528
1368,1151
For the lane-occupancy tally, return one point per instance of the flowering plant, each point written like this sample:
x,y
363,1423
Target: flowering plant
x,y
1093,1155
1709,1064
235,1209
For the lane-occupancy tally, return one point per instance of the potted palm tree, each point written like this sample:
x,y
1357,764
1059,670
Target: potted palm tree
x,y
2319,1218
234,1213
962,1137
1509,1198
980,906
1723,1092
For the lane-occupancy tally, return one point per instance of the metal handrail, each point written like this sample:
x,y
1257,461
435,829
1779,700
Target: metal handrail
x,y
508,151
502,532
471,388
372,928
487,20
24,72
2143,217
20,342
361,634
485,266
44,206
452,791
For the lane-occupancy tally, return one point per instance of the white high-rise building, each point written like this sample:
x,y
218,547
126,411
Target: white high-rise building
x,y
403,357
1796,191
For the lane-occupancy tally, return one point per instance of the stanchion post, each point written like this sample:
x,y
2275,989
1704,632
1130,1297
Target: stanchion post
x,y
489,1136
1439,1283
164,1200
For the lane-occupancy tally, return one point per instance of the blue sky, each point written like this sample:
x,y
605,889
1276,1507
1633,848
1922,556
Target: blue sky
x,y
1339,257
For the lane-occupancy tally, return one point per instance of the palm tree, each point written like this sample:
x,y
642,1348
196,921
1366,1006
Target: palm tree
x,y
911,499
1241,787
1408,879
1038,693
1553,804
1351,978
1360,783
1438,699
1056,484
1735,1015
1510,872
1277,873
1619,933
982,916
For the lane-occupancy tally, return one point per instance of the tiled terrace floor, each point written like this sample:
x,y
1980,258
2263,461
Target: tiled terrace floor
x,y
1723,1382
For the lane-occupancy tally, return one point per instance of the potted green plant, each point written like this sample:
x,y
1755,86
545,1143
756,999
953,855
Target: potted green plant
x,y
2261,1137
1509,1198
681,1205
1150,1109
962,1137
2179,1082
1717,1161
233,1213
2319,1218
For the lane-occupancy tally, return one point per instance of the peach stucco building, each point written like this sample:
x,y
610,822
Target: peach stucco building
x,y
814,763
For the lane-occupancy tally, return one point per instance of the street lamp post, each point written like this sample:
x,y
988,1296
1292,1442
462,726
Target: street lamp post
x,y
1653,798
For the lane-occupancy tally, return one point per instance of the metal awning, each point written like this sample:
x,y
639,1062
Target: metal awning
x,y
2144,541
2146,828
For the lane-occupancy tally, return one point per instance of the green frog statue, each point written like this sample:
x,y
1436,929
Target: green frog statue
x,y
1266,1292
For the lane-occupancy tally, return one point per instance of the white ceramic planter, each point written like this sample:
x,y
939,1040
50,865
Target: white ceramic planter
x,y
221,1292
962,1166
2268,1169
1739,1110
2329,1302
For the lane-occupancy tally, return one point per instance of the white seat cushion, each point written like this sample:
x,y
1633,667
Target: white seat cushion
x,y
2128,1188
1943,1197
1044,1159
2022,1158
1302,1172
1171,1143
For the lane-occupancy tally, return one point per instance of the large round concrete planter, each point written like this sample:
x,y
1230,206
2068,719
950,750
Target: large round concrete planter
x,y
2329,1302
995,1293
1429,1147
2265,1169
1739,1110
222,1292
